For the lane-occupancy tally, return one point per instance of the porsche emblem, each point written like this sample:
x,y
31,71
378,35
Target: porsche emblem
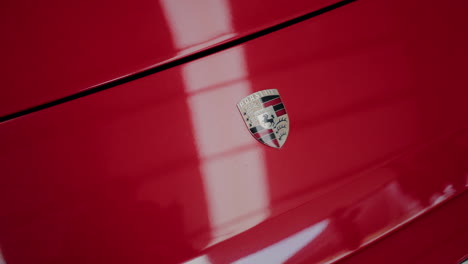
x,y
266,118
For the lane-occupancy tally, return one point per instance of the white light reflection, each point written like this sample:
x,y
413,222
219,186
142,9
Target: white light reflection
x,y
215,132
196,22
440,197
231,164
234,179
199,260
286,248
216,70
2,260
235,193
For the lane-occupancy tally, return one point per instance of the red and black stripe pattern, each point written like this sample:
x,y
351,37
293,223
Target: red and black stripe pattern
x,y
275,101
265,135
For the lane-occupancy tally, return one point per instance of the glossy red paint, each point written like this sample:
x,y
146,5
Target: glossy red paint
x,y
437,237
57,49
162,169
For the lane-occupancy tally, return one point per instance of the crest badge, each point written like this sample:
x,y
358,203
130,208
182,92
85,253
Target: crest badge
x,y
266,117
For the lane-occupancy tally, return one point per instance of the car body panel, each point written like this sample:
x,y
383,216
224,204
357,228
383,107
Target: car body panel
x,y
58,49
163,170
436,237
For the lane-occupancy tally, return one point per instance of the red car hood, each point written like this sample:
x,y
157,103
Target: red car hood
x,y
162,169
56,50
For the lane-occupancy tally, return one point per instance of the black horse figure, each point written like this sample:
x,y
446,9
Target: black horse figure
x,y
267,120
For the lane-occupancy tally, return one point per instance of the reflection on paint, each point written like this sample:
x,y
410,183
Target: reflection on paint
x,y
286,248
399,202
231,164
437,198
193,22
236,192
215,132
2,260
215,71
199,260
